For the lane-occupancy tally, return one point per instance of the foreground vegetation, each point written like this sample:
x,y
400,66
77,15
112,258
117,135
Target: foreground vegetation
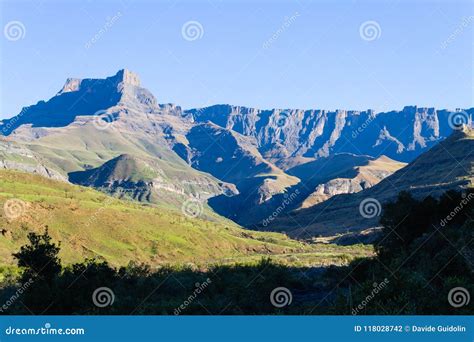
x,y
425,251
421,256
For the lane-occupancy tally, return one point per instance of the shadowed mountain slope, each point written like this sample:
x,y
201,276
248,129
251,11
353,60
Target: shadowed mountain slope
x,y
448,165
341,173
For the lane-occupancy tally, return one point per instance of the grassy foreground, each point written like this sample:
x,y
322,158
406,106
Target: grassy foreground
x,y
90,224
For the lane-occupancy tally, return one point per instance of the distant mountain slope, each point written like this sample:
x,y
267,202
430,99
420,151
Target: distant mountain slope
x,y
448,165
16,157
340,174
124,168
91,224
233,158
317,181
282,134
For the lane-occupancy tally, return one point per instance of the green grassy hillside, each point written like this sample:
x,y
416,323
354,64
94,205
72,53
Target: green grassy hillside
x,y
91,224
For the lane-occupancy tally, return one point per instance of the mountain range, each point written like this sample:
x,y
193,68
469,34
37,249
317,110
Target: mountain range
x,y
278,169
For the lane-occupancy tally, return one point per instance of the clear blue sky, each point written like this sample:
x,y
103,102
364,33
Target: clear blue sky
x,y
423,55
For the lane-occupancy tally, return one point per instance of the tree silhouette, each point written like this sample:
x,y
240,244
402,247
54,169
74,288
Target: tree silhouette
x,y
39,258
41,267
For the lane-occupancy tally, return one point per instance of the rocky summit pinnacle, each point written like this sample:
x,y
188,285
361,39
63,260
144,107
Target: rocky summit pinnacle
x,y
84,97
128,77
72,84
122,76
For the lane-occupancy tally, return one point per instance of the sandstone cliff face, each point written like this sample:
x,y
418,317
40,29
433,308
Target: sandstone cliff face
x,y
401,135
278,134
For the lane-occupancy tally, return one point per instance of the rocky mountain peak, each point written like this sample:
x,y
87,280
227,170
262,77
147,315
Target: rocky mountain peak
x,y
122,77
128,77
79,97
72,84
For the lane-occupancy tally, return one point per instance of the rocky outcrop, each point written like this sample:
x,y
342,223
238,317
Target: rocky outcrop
x,y
340,174
122,77
17,157
79,97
